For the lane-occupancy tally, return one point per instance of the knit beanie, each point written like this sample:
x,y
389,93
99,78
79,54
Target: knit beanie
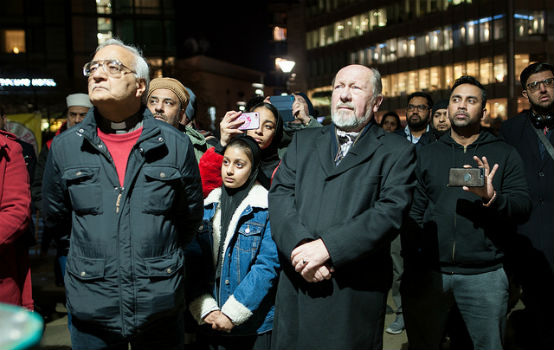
x,y
170,84
442,104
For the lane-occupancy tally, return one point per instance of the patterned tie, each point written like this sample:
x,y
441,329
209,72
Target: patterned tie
x,y
345,142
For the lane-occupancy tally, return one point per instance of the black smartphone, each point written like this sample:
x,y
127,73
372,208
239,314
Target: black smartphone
x,y
283,103
470,177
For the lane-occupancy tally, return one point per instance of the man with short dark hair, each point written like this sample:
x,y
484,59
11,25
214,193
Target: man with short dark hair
x,y
417,116
530,132
336,202
170,101
129,188
457,260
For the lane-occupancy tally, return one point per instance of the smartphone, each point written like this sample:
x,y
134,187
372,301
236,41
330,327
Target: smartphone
x,y
470,177
251,121
283,105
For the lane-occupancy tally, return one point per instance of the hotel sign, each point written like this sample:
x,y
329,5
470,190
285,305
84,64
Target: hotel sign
x,y
24,82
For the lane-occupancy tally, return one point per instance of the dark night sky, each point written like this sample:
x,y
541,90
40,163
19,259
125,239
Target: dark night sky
x,y
233,31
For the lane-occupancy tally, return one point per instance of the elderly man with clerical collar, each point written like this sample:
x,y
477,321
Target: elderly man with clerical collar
x,y
171,102
336,203
129,187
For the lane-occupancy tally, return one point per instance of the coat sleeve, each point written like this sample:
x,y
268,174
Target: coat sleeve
x,y
286,227
513,201
15,195
190,205
261,278
56,207
348,241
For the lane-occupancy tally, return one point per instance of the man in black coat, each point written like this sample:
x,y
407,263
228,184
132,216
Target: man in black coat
x,y
336,203
533,250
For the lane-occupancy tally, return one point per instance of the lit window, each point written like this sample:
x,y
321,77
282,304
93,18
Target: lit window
x,y
521,61
500,68
279,34
485,71
14,41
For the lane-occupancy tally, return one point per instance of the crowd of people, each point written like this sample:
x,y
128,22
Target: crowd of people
x,y
289,235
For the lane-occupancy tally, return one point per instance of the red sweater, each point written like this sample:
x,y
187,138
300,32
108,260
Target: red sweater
x,y
15,209
120,146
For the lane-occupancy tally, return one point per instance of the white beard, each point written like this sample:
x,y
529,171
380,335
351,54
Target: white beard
x,y
347,120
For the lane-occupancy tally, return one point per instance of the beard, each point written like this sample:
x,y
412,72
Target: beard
x,y
347,120
542,109
419,124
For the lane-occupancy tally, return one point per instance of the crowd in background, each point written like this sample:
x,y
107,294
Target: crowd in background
x,y
288,234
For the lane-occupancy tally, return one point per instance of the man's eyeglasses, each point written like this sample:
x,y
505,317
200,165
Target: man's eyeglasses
x,y
421,108
113,68
534,86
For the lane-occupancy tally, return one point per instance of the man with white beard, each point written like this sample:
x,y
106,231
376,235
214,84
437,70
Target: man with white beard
x,y
336,202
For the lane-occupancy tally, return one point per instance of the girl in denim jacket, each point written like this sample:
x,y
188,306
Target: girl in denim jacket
x,y
233,263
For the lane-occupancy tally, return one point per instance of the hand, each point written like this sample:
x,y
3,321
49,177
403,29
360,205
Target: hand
x,y
307,259
223,323
324,272
486,192
300,110
211,317
229,127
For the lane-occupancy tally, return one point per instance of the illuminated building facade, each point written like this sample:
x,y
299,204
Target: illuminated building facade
x,y
424,45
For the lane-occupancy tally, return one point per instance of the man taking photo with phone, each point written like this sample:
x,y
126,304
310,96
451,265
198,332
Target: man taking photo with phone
x,y
454,250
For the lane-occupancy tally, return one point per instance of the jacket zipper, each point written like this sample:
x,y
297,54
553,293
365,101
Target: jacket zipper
x,y
118,200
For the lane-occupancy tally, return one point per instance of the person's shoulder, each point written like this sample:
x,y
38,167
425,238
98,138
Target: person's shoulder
x,y
516,122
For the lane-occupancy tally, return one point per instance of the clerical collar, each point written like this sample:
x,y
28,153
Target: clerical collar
x,y
130,124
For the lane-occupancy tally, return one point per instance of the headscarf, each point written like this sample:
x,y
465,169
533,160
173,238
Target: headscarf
x,y
269,156
231,198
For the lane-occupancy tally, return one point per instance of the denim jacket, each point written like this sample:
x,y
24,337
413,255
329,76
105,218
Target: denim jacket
x,y
250,265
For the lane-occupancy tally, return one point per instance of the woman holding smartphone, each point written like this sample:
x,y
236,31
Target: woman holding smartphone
x,y
268,137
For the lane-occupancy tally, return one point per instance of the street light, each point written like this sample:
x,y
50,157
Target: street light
x,y
286,67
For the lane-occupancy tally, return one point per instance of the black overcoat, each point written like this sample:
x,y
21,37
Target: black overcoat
x,y
539,171
356,208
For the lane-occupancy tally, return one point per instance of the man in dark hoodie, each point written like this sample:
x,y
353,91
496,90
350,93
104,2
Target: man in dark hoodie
x,y
458,256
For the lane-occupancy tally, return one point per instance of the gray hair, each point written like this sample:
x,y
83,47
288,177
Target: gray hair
x,y
141,66
375,80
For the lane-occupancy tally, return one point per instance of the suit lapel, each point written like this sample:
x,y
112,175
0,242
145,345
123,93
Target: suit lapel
x,y
324,150
362,150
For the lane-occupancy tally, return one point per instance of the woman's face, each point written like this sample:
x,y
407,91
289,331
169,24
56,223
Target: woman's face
x,y
268,126
390,124
236,167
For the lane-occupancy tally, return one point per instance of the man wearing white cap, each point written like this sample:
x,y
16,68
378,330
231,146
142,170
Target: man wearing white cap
x,y
77,108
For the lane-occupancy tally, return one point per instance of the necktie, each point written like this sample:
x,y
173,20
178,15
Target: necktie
x,y
345,142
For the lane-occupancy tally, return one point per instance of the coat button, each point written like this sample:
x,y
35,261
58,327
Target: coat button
x,y
141,150
83,273
169,270
100,146
541,174
227,282
79,173
81,130
161,139
162,175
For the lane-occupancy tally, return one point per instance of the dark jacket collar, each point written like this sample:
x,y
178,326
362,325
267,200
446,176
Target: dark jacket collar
x,y
363,149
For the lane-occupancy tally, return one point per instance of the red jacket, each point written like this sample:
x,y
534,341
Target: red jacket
x,y
15,202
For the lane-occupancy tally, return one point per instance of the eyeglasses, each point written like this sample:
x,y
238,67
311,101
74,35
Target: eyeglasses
x,y
534,86
113,68
421,108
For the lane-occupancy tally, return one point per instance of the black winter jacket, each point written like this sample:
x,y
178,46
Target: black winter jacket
x,y
457,233
125,263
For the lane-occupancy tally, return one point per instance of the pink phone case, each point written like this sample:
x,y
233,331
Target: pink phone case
x,y
251,121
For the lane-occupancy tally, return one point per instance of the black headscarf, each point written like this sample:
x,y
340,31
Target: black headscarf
x,y
269,157
231,198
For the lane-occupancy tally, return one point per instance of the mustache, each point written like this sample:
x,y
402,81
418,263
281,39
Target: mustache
x,y
458,112
348,105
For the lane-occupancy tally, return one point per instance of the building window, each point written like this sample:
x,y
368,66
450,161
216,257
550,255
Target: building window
x,y
13,41
485,71
500,69
279,33
521,61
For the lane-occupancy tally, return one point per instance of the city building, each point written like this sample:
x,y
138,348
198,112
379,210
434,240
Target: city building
x,y
423,45
45,44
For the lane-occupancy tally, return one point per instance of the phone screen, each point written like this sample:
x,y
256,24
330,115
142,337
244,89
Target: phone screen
x,y
284,106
